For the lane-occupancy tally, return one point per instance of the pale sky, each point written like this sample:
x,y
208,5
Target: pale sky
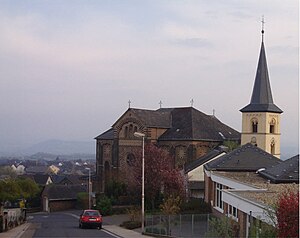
x,y
68,68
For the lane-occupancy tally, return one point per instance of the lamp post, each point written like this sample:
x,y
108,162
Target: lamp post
x,y
89,186
141,135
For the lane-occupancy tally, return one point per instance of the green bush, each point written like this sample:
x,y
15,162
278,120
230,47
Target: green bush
x,y
131,224
104,205
82,200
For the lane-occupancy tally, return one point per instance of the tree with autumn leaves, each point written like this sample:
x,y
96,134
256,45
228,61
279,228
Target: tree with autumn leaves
x,y
161,178
287,214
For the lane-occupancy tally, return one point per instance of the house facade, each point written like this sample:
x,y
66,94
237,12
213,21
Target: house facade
x,y
185,132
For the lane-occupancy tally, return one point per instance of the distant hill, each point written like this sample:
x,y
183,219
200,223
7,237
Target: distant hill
x,y
60,147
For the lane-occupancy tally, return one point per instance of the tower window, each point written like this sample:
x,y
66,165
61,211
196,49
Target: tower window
x,y
273,147
272,126
272,129
254,126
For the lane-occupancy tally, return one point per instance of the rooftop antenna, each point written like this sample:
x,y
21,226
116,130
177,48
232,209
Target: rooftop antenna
x,y
160,103
192,102
129,102
262,28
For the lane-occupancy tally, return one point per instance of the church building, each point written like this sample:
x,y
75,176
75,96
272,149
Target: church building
x,y
185,132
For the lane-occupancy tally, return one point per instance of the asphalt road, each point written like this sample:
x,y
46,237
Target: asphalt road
x,y
63,225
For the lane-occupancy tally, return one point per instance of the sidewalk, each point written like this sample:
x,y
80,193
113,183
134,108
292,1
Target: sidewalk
x,y
16,232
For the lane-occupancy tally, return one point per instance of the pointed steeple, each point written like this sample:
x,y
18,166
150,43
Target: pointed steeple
x,y
262,100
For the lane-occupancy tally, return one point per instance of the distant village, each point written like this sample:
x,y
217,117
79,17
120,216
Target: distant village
x,y
46,168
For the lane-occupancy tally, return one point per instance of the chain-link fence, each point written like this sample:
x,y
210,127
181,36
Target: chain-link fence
x,y
190,225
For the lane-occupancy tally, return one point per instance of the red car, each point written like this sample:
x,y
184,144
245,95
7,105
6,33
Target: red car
x,y
90,218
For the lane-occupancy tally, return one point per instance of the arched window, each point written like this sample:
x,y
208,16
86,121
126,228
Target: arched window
x,y
254,123
272,146
272,126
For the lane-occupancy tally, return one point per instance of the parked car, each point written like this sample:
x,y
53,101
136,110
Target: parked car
x,y
90,218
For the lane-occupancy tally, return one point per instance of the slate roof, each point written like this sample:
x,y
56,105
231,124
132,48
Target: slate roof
x,y
70,179
63,192
40,178
151,118
285,172
246,158
262,100
190,124
202,160
186,123
107,135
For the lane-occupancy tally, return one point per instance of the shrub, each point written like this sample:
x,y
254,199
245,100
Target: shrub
x,y
82,200
131,224
104,205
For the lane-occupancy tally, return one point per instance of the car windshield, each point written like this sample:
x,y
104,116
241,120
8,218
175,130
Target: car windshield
x,y
91,213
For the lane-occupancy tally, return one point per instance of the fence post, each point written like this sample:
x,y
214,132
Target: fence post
x,y
152,224
160,225
207,228
192,224
180,224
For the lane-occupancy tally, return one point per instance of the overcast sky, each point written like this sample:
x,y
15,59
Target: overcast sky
x,y
68,68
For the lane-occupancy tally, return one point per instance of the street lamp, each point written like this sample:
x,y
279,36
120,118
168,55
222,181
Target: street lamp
x,y
141,135
89,186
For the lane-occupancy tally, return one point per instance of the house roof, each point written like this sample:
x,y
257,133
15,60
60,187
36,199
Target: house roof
x,y
246,158
262,100
285,172
63,192
262,191
41,178
202,160
60,179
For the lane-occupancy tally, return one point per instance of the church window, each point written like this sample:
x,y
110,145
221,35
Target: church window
x,y
272,126
126,131
273,147
254,125
135,129
130,130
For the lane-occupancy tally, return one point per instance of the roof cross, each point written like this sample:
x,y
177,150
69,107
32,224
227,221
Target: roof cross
x,y
192,102
160,103
129,102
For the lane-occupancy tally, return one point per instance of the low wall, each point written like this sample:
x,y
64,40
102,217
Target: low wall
x,y
11,218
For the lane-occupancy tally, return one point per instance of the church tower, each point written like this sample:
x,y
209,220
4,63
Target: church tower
x,y
261,118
